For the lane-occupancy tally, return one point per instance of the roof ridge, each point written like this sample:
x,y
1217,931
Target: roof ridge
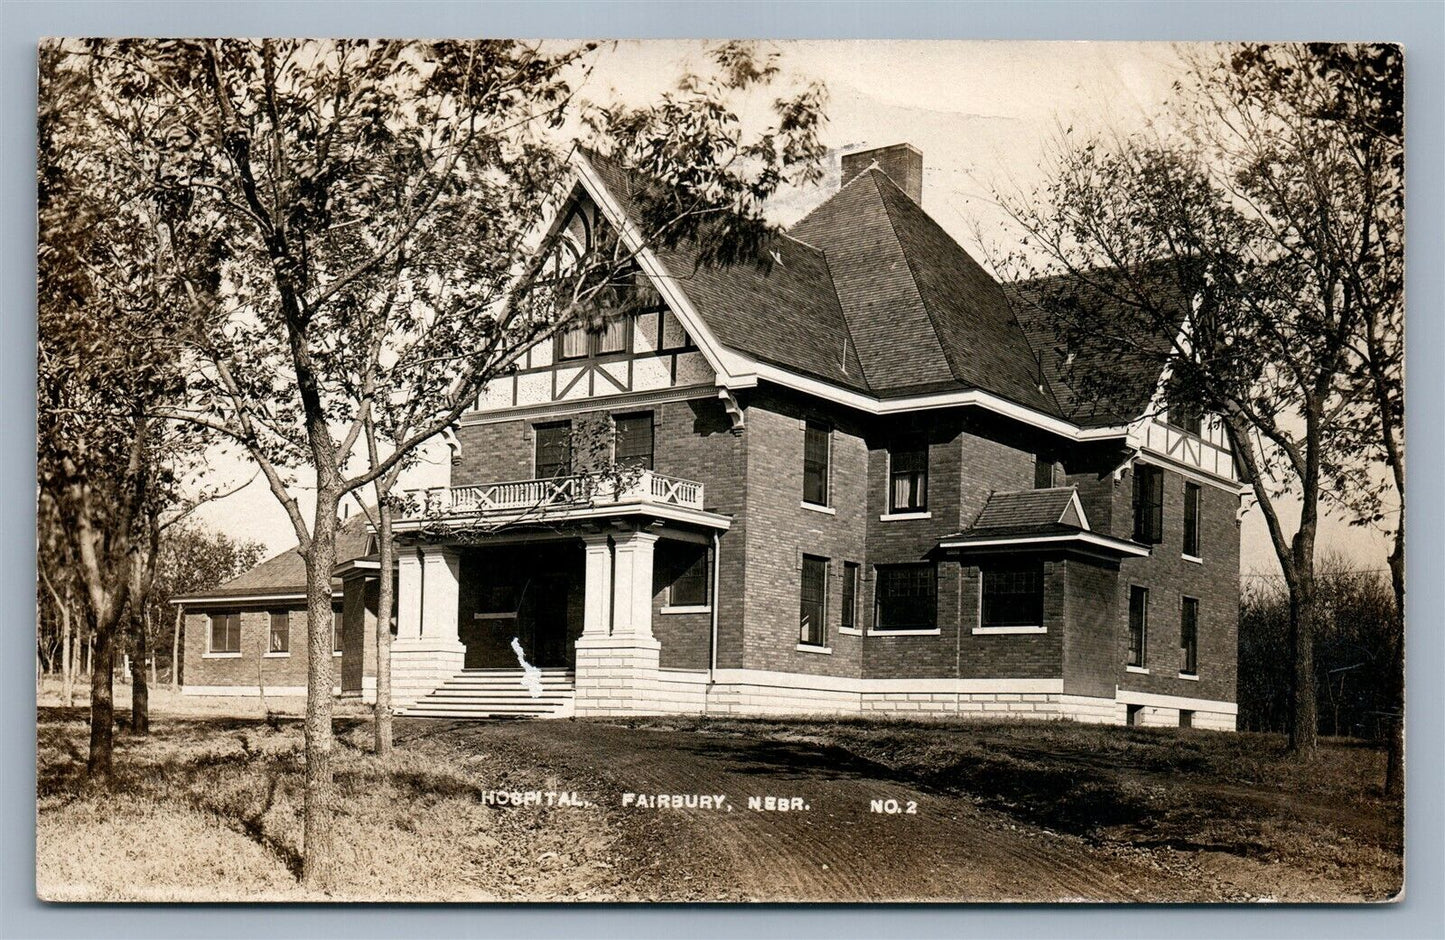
x,y
908,263
848,339
819,207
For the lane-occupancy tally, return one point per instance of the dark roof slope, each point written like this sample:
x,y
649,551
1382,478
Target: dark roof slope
x,y
286,573
1123,350
781,309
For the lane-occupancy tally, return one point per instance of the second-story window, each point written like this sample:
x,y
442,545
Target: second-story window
x,y
632,444
1148,504
816,446
1191,520
553,455
908,477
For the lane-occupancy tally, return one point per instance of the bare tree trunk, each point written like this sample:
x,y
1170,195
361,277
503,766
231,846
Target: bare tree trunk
x,y
67,664
1395,758
140,719
176,650
102,705
385,591
318,859
1304,712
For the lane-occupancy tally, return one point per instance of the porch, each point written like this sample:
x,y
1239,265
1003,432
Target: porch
x,y
568,569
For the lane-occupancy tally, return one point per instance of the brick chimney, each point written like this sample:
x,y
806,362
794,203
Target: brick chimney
x,y
903,163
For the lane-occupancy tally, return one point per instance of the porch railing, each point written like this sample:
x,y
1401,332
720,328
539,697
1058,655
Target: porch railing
x,y
553,494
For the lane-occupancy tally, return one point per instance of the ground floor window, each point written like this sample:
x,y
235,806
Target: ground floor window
x,y
226,632
279,638
813,602
1189,637
906,597
849,612
1138,625
336,629
687,572
1013,595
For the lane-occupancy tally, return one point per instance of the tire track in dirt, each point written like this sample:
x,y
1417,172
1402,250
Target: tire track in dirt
x,y
837,849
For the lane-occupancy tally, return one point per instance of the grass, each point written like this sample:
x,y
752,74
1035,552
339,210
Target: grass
x,y
1235,807
208,808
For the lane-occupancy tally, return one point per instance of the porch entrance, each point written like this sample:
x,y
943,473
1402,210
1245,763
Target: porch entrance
x,y
530,592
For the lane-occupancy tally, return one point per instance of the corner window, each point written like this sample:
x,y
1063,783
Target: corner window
x,y
908,478
691,570
278,639
906,598
632,440
813,602
849,619
1138,625
1191,520
816,446
1189,637
226,632
1148,504
553,449
1013,595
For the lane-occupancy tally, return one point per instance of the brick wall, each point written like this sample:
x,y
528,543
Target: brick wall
x,y
1091,636
254,665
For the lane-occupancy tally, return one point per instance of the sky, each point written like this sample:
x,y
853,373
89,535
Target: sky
x,y
982,113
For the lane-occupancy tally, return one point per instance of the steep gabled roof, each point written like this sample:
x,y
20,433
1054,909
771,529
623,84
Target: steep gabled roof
x,y
1033,520
1055,506
285,574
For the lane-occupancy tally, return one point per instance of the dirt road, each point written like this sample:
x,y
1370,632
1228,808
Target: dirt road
x,y
923,847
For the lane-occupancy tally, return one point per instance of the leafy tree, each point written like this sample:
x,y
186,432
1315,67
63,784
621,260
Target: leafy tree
x,y
1241,254
362,212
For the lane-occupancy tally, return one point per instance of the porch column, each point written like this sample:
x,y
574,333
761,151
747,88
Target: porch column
x,y
408,595
597,585
441,580
632,585
428,650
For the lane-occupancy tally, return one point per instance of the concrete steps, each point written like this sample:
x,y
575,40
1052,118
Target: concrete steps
x,y
497,693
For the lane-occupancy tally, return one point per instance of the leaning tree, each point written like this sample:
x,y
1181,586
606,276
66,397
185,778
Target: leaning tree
x,y
371,206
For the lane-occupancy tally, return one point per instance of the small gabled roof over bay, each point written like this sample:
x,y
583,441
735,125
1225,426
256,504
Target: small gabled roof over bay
x,y
1037,520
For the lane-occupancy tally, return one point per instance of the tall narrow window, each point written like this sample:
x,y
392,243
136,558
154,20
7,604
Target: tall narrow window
x,y
553,457
849,619
1191,520
906,598
1148,504
813,604
1043,473
1013,595
337,626
815,463
1189,637
908,478
279,638
1138,626
633,442
226,632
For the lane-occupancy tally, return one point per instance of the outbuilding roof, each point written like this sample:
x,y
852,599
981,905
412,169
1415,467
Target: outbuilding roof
x,y
284,575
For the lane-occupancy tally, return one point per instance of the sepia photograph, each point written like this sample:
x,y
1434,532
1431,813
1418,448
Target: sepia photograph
x,y
514,470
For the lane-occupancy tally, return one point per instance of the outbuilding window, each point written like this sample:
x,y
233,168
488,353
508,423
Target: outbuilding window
x,y
278,639
226,632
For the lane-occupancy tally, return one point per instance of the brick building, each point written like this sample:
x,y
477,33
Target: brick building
x,y
858,482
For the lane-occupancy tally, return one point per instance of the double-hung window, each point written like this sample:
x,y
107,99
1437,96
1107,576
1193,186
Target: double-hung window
x,y
278,639
693,576
632,442
908,478
816,446
553,454
813,604
905,598
1138,626
226,632
1148,504
1189,637
1191,520
337,625
1013,595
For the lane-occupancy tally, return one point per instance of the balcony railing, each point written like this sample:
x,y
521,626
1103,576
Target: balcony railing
x,y
555,494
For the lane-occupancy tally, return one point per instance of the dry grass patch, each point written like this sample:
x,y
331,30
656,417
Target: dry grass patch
x,y
209,809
